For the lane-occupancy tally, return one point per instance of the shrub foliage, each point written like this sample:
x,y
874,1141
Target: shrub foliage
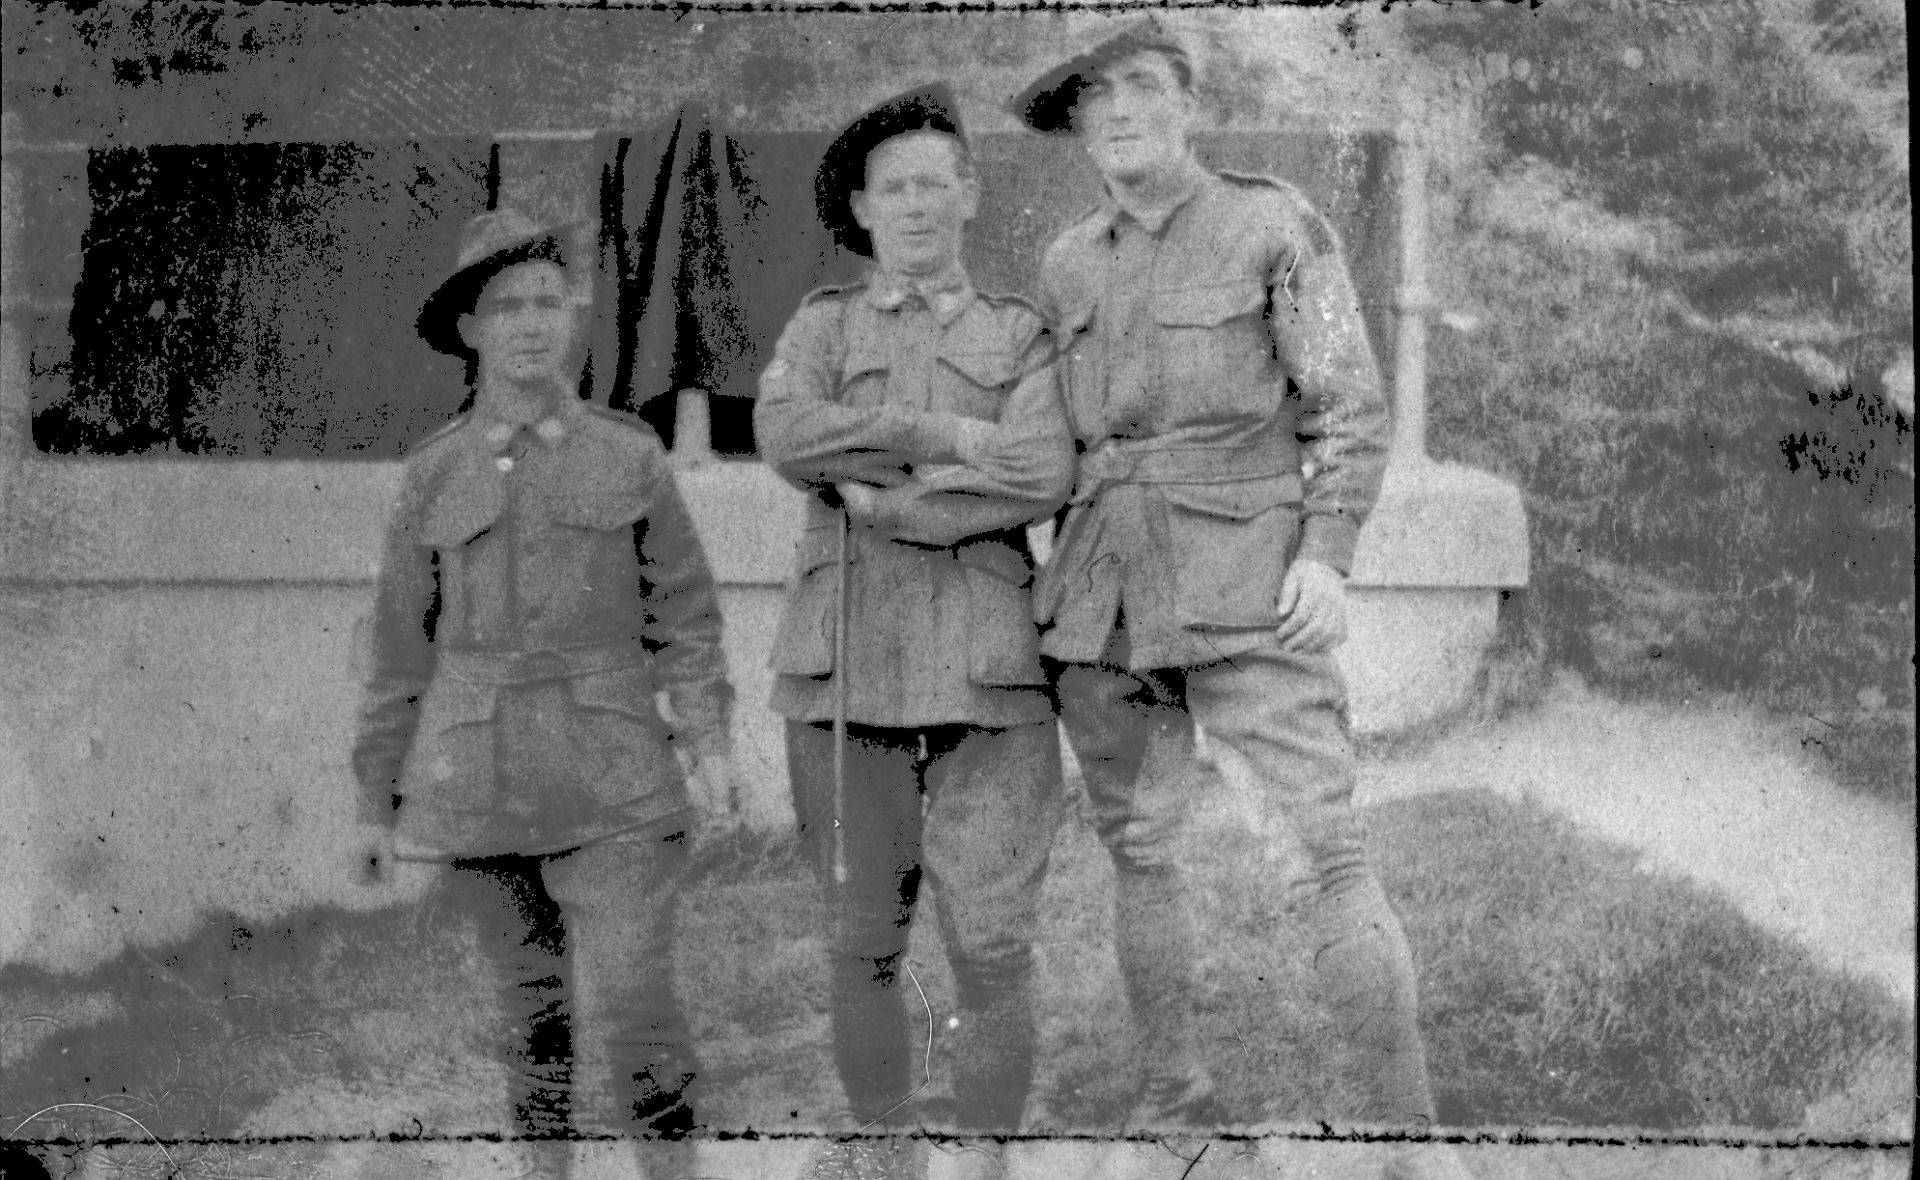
x,y
1686,240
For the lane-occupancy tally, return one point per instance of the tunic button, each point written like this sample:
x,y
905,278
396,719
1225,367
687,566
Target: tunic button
x,y
504,462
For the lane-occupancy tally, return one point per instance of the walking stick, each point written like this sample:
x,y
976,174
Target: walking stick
x,y
843,609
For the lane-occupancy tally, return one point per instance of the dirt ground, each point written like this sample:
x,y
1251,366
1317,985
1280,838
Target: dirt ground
x,y
1724,796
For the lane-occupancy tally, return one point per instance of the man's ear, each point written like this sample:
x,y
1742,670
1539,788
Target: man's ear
x,y
467,326
970,190
858,200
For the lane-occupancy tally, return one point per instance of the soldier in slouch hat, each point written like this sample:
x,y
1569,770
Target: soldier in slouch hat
x,y
922,417
1222,388
540,583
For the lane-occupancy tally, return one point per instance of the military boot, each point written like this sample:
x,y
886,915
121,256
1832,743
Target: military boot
x,y
1365,976
990,1043
1157,948
872,1046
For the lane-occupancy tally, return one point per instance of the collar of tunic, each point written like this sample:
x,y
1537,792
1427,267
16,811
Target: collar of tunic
x,y
945,294
1193,179
498,425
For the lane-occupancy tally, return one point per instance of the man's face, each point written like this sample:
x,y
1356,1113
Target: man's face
x,y
916,204
1134,117
526,324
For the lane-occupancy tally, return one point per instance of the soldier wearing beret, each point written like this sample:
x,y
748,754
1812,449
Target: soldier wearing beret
x,y
922,418
1225,397
540,583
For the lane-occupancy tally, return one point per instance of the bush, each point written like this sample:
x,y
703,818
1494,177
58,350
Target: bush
x,y
1681,230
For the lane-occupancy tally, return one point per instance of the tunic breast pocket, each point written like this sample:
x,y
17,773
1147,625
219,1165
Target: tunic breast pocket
x,y
580,570
1213,341
863,381
974,384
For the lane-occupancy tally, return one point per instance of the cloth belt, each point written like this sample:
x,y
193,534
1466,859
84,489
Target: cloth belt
x,y
511,666
1149,461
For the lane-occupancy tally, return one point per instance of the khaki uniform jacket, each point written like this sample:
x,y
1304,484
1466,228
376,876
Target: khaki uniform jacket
x,y
540,583
1220,382
872,383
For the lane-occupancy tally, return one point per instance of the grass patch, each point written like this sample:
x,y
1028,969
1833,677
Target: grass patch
x,y
1561,986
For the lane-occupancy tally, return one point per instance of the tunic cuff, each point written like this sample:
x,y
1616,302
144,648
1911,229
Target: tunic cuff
x,y
1329,540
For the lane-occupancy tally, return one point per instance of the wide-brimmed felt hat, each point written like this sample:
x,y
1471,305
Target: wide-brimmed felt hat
x,y
489,244
1047,103
843,167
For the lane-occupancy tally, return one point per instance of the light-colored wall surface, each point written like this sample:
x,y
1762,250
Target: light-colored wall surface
x,y
182,658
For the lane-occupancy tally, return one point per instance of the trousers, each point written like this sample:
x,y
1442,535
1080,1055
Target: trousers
x,y
580,945
973,811
1284,713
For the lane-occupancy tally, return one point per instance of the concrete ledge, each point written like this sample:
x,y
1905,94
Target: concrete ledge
x,y
198,520
1440,524
211,521
167,521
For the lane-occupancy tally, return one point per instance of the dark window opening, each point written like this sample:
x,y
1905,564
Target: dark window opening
x,y
256,300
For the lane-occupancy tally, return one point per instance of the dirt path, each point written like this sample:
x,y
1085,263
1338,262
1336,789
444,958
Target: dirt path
x,y
1722,796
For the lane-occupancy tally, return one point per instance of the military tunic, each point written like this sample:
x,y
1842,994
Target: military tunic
x,y
873,383
540,583
1213,354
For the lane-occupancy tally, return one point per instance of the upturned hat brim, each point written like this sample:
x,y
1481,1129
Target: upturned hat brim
x,y
1047,104
843,166
487,250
